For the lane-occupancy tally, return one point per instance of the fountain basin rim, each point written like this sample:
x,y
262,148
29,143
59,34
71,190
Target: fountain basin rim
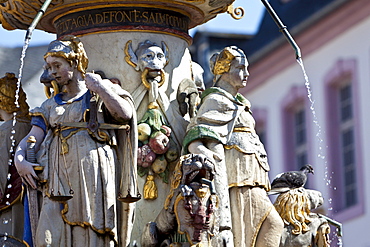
x,y
18,14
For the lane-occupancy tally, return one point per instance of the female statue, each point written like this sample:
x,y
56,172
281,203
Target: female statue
x,y
11,208
223,130
84,153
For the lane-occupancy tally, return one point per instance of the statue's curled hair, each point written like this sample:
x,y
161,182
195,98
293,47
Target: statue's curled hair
x,y
220,62
12,97
293,207
71,49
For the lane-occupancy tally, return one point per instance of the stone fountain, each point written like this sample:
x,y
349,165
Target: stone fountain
x,y
118,37
108,30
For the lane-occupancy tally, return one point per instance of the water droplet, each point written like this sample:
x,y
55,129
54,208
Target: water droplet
x,y
9,176
330,208
7,203
10,186
340,243
335,188
13,132
7,196
5,221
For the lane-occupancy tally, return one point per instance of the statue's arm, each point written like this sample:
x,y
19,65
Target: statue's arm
x,y
25,168
119,107
206,147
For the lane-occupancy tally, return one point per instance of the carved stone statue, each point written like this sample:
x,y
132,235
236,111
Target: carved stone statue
x,y
302,227
197,74
189,91
155,152
188,217
187,97
150,59
86,141
223,130
11,208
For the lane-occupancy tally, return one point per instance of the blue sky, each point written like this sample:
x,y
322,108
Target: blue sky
x,y
222,23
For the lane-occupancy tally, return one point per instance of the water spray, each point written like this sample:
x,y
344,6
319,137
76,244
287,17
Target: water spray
x,y
282,28
13,141
290,39
37,19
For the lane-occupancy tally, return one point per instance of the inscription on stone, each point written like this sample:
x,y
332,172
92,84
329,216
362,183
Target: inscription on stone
x,y
121,17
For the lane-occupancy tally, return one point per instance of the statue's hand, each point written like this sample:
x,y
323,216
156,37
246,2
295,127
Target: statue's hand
x,y
197,147
27,173
94,82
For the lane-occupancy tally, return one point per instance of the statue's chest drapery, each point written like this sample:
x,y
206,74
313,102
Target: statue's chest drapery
x,y
67,113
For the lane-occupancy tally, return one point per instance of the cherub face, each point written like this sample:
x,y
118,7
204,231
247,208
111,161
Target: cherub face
x,y
152,58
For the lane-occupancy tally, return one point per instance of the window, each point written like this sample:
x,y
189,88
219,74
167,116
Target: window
x,y
347,146
295,124
343,144
300,147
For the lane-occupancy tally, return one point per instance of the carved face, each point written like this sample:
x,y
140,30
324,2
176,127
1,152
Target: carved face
x,y
238,73
59,69
152,58
195,168
195,212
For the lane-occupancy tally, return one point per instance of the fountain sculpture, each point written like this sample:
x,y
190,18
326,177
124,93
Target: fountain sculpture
x,y
11,207
143,46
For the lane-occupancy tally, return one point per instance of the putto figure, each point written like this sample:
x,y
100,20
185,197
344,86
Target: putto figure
x,y
223,130
88,153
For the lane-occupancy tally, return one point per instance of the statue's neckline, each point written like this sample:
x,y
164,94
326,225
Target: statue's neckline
x,y
58,99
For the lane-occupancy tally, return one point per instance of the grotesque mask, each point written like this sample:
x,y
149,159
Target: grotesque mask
x,y
150,59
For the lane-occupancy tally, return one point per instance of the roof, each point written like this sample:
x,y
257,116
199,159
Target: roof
x,y
296,15
10,61
32,70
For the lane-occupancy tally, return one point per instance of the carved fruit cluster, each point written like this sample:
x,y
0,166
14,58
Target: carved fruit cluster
x,y
155,150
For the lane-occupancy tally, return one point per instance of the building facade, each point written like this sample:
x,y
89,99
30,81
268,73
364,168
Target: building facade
x,y
322,121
